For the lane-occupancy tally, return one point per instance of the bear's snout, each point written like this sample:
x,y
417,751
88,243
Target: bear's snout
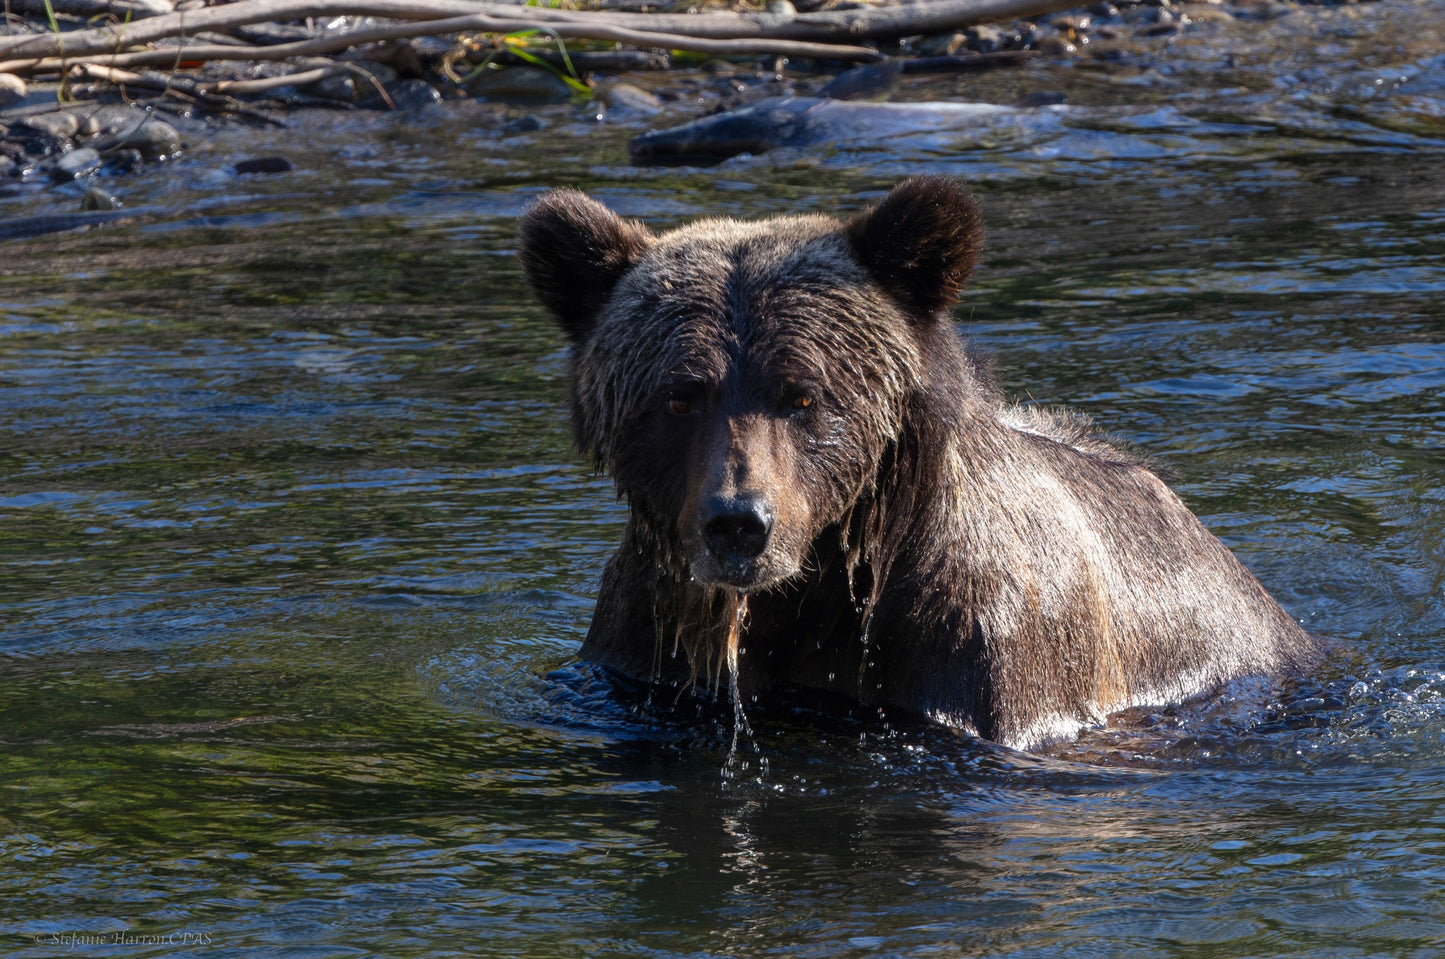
x,y
736,528
741,523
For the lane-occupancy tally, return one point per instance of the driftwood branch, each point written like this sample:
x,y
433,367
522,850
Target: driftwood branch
x,y
482,24
92,8
266,84
909,18
831,35
204,93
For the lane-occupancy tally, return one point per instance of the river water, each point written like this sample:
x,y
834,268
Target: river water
x,y
296,553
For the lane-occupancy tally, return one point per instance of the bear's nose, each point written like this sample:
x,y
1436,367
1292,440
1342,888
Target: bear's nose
x,y
737,526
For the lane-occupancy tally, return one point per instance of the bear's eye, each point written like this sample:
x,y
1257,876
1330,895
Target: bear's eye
x,y
797,401
682,399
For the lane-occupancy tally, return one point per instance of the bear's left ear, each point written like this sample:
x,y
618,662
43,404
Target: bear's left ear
x,y
573,251
920,243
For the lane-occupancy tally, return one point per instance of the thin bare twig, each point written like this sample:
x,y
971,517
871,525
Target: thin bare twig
x,y
267,84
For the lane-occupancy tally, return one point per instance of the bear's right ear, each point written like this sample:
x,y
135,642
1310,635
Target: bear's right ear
x,y
573,251
921,243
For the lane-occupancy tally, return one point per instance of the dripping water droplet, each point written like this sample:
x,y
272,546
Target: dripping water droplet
x,y
733,650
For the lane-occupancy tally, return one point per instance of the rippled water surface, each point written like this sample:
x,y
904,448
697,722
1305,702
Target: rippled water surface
x,y
296,555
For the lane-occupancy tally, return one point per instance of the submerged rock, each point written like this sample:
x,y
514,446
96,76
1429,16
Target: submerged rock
x,y
412,95
520,86
271,164
97,199
799,122
155,139
868,82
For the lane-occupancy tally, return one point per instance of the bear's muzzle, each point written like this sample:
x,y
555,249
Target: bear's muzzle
x,y
736,528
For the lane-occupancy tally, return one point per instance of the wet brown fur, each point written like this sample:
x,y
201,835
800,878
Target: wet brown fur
x,y
1001,570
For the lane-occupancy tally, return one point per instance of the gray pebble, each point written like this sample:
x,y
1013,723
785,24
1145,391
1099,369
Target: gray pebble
x,y
627,100
1268,10
524,86
12,89
339,86
97,199
60,125
77,163
1055,46
155,139
413,95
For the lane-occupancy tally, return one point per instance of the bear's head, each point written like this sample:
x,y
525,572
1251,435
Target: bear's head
x,y
745,383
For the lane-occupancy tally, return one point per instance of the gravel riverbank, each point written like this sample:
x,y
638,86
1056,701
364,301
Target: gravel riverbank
x,y
76,134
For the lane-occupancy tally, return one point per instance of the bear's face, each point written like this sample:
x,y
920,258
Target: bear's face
x,y
741,385
742,382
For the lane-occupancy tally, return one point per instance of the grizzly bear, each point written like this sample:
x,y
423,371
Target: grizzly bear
x,y
827,490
